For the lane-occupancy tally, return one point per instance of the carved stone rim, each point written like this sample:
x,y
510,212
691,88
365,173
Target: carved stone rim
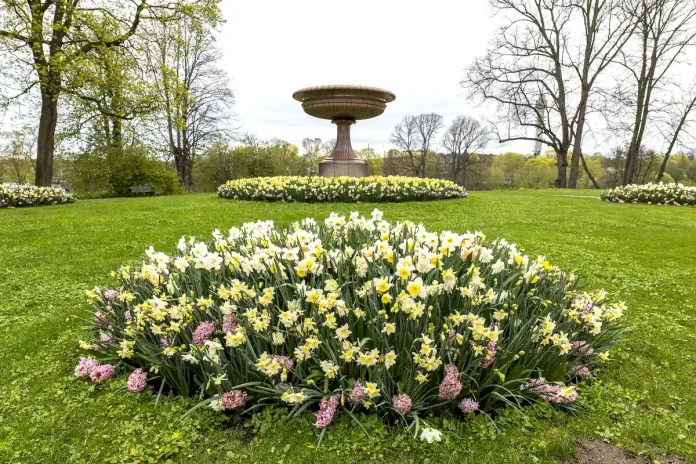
x,y
343,91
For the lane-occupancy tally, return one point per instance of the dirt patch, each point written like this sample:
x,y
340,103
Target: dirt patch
x,y
591,451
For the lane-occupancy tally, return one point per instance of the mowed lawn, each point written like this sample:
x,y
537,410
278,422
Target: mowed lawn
x,y
645,401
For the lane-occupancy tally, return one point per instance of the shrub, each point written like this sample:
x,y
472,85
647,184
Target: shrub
x,y
351,314
341,189
16,196
132,166
661,194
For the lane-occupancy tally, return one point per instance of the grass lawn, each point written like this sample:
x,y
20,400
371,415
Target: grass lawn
x,y
645,402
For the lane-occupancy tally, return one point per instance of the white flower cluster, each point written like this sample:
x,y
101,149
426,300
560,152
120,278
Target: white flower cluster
x,y
341,189
656,194
15,196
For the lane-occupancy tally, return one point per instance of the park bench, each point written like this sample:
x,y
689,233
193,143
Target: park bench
x,y
142,190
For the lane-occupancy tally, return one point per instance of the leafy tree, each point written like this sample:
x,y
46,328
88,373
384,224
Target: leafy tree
x,y
16,162
538,172
54,36
312,151
375,163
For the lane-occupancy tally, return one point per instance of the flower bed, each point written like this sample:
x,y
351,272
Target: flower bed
x,y
341,189
350,314
660,194
16,196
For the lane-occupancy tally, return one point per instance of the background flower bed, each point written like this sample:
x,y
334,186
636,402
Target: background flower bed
x,y
660,194
16,196
352,312
341,189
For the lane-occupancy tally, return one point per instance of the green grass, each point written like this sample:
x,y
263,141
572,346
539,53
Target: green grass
x,y
646,401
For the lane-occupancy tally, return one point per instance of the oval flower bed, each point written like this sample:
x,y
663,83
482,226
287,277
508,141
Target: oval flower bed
x,y
341,189
348,314
660,194
15,196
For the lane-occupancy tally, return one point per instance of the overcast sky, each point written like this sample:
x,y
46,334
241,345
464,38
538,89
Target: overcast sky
x,y
416,49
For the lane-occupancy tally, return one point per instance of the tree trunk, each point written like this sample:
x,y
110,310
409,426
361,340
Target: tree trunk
x,y
631,164
587,170
45,144
117,133
184,167
577,145
562,164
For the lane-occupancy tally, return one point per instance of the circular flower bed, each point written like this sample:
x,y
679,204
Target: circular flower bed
x,y
660,194
16,196
341,189
351,313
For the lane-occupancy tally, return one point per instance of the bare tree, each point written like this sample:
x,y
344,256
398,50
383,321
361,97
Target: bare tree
x,y
606,30
194,91
464,137
541,69
526,63
313,149
681,117
328,147
415,135
664,30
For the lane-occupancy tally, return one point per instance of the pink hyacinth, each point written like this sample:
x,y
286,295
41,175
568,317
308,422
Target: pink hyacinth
x,y
490,356
580,371
229,323
452,335
112,295
233,399
203,332
450,386
358,393
164,343
581,348
99,315
85,367
468,406
127,315
137,381
558,399
102,373
105,337
402,404
327,409
284,361
551,393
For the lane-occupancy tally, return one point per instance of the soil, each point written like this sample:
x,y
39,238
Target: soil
x,y
591,451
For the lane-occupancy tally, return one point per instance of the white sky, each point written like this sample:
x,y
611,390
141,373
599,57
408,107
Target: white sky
x,y
416,49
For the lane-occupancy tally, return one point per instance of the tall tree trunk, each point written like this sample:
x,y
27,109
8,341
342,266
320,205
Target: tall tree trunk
x,y
188,178
117,133
45,145
577,144
562,165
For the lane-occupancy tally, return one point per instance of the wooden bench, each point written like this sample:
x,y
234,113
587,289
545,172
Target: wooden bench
x,y
142,190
